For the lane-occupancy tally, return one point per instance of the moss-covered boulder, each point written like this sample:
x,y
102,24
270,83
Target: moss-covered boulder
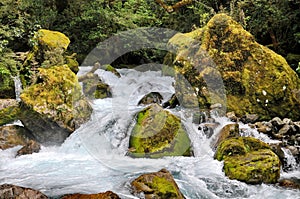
x,y
54,107
249,160
158,133
256,79
49,50
160,185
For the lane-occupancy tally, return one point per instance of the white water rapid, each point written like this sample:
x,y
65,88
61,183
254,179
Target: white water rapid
x,y
93,158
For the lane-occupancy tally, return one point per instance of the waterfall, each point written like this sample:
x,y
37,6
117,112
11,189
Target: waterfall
x,y
93,158
18,87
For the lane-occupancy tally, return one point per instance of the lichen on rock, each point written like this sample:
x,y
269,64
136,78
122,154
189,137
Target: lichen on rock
x,y
158,133
256,79
249,160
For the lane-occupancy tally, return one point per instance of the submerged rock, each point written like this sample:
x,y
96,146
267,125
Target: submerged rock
x,y
257,80
160,185
14,191
30,147
158,133
105,195
249,160
150,98
293,183
54,107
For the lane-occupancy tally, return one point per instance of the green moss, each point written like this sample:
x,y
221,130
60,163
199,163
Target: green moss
x,y
9,114
165,188
249,159
53,39
158,133
112,70
254,167
102,91
7,87
55,95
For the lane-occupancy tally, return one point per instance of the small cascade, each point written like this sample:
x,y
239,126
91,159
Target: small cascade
x,y
290,161
18,87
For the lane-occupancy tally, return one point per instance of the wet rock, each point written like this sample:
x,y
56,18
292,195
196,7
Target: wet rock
x,y
171,103
30,147
249,118
158,133
11,136
231,115
228,131
150,98
264,127
105,195
283,131
200,117
293,183
93,87
249,160
277,122
14,191
287,121
157,185
246,68
208,128
54,107
277,149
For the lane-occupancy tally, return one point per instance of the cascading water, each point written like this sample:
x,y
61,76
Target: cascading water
x,y
18,87
93,159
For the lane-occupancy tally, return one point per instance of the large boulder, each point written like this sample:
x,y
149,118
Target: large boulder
x,y
256,79
54,107
14,191
160,185
158,133
249,160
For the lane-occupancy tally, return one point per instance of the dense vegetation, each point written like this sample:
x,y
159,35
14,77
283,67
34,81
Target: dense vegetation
x,y
274,23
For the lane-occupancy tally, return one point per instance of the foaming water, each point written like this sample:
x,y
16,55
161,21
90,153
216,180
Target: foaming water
x,y
93,159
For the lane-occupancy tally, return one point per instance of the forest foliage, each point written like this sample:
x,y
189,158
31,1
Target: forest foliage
x,y
274,23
